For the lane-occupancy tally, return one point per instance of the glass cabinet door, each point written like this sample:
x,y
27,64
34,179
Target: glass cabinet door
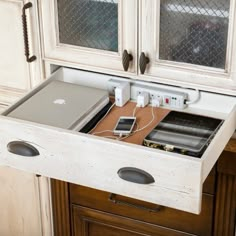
x,y
91,32
188,40
90,24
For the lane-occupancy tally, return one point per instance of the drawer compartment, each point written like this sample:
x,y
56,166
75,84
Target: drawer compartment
x,y
144,211
94,162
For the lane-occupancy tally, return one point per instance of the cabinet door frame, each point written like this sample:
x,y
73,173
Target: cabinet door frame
x,y
88,58
25,79
183,74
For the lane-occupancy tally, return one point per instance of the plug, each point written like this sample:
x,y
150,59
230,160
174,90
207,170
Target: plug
x,y
142,99
122,94
156,101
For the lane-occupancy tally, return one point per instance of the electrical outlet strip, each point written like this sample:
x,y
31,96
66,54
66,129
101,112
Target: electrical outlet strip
x,y
163,97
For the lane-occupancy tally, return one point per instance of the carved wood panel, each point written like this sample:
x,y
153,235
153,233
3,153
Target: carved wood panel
x,y
60,205
89,222
225,214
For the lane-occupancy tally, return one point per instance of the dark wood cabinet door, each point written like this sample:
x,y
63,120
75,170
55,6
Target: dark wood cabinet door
x,y
225,213
146,212
81,211
89,222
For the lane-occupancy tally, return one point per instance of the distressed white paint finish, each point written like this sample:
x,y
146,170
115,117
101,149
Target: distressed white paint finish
x,y
13,68
45,206
88,58
2,108
94,162
177,74
25,202
17,76
182,73
218,144
19,203
217,105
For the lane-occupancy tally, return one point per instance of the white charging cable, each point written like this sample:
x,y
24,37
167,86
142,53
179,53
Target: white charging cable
x,y
140,129
91,131
150,122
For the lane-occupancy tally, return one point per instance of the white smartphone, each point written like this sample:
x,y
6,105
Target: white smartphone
x,y
124,125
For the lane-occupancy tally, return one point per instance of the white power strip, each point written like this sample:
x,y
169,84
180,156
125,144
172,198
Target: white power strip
x,y
163,97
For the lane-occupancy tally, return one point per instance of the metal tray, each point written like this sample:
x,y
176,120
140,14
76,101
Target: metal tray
x,y
184,133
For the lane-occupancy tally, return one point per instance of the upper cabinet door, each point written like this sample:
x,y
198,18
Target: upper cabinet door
x,y
189,42
17,74
95,34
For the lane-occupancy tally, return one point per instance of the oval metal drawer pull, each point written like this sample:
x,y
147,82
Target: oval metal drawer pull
x,y
135,175
22,149
113,199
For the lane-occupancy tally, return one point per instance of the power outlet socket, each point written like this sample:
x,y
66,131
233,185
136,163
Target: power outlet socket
x,y
122,93
142,99
162,97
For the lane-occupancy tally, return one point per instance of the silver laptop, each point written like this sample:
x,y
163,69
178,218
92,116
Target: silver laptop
x,y
63,105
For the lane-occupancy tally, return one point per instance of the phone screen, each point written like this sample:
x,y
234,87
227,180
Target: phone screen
x,y
125,124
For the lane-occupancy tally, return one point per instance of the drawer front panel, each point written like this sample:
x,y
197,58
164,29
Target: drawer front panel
x,y
94,162
179,220
156,176
89,222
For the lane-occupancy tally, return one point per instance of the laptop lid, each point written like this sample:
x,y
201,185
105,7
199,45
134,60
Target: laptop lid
x,y
60,104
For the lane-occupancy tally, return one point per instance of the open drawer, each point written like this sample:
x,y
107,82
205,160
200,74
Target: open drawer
x,y
94,162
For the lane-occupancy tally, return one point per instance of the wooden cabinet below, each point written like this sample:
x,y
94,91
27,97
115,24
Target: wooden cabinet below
x,y
81,211
145,212
91,222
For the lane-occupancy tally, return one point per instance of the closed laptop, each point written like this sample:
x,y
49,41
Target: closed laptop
x,y
61,104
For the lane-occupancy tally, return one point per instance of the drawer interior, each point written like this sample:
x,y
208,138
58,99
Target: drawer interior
x,y
94,161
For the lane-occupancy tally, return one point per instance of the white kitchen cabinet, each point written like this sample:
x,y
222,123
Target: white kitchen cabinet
x,y
184,43
2,108
19,203
67,155
20,194
92,34
17,75
190,42
24,202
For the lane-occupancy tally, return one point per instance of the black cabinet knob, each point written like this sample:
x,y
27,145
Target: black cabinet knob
x,y
126,59
143,61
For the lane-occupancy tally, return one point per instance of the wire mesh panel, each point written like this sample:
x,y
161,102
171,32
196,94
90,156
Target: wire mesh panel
x,y
194,31
89,23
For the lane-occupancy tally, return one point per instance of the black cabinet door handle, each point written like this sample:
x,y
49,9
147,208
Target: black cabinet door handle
x,y
126,59
25,31
143,61
22,148
135,175
112,198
